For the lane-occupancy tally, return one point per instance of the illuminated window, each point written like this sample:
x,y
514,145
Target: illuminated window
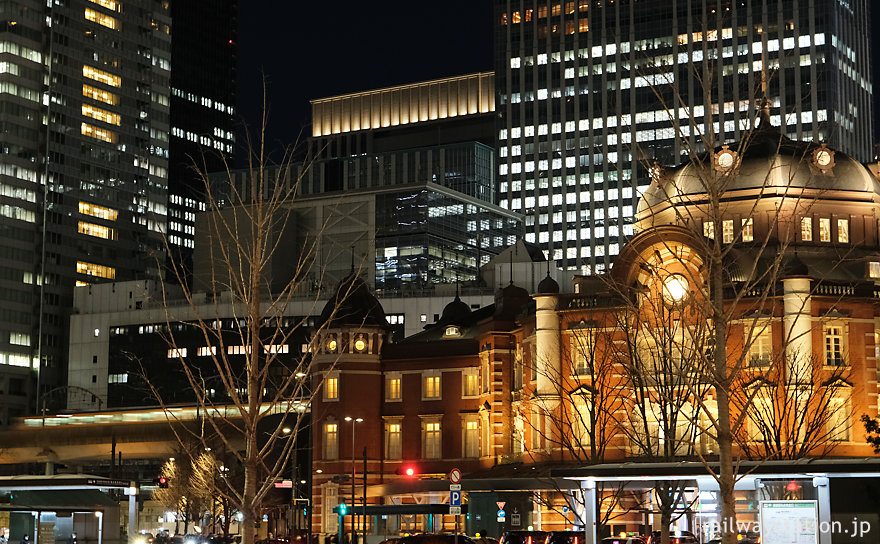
x,y
19,339
834,346
470,386
807,229
174,353
112,5
98,211
748,232
99,114
843,231
276,348
117,378
238,350
101,76
431,440
331,388
100,95
392,388
331,441
874,269
727,231
98,231
432,387
452,330
206,351
471,438
824,230
709,229
97,270
393,440
840,414
762,345
102,19
98,133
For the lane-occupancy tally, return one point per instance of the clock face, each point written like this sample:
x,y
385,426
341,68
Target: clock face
x,y
359,344
675,288
823,157
331,344
725,159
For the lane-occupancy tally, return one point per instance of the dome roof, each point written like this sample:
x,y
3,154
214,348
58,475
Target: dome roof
x,y
353,304
510,301
455,312
548,285
768,161
795,268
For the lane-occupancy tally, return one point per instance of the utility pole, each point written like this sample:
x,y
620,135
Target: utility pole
x,y
364,502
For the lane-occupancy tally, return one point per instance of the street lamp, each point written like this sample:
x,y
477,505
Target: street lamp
x,y
353,469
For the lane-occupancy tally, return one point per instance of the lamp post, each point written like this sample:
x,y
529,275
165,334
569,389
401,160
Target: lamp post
x,y
353,470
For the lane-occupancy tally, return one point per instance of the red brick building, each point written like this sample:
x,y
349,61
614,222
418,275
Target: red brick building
x,y
616,370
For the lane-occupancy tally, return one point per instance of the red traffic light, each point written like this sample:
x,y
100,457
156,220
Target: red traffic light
x,y
163,482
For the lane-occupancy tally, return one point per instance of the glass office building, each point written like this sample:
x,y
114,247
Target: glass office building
x,y
83,170
424,150
590,93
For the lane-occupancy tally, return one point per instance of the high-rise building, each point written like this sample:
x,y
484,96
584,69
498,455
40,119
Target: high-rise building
x,y
203,79
591,92
83,170
425,151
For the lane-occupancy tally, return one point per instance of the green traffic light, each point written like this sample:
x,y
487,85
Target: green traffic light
x,y
343,508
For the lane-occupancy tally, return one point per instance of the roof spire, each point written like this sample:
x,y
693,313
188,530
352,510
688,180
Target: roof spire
x,y
511,268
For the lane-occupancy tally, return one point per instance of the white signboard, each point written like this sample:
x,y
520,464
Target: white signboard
x,y
789,522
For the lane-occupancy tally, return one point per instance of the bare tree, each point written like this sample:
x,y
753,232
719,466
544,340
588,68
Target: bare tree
x,y
209,473
792,417
663,335
587,392
250,378
180,496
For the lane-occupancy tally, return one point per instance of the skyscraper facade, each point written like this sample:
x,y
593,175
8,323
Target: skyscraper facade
x,y
591,93
203,80
83,170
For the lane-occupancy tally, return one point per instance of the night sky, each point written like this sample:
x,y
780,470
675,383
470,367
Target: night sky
x,y
317,49
312,50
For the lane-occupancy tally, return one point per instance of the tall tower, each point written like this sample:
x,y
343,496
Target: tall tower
x,y
347,422
84,170
589,93
203,82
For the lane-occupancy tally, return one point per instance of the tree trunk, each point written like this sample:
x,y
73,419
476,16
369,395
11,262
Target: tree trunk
x,y
726,476
665,521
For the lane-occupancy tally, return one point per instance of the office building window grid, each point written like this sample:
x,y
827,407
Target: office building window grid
x,y
579,118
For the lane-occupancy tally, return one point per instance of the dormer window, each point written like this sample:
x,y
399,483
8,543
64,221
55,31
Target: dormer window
x,y
824,229
843,231
452,331
748,232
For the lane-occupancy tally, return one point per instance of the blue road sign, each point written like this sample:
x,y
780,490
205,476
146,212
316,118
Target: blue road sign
x,y
455,498
501,513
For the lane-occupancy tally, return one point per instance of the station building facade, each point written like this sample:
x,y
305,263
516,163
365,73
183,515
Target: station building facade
x,y
606,395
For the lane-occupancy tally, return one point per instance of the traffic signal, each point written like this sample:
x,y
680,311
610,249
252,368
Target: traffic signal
x,y
163,482
410,471
343,508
